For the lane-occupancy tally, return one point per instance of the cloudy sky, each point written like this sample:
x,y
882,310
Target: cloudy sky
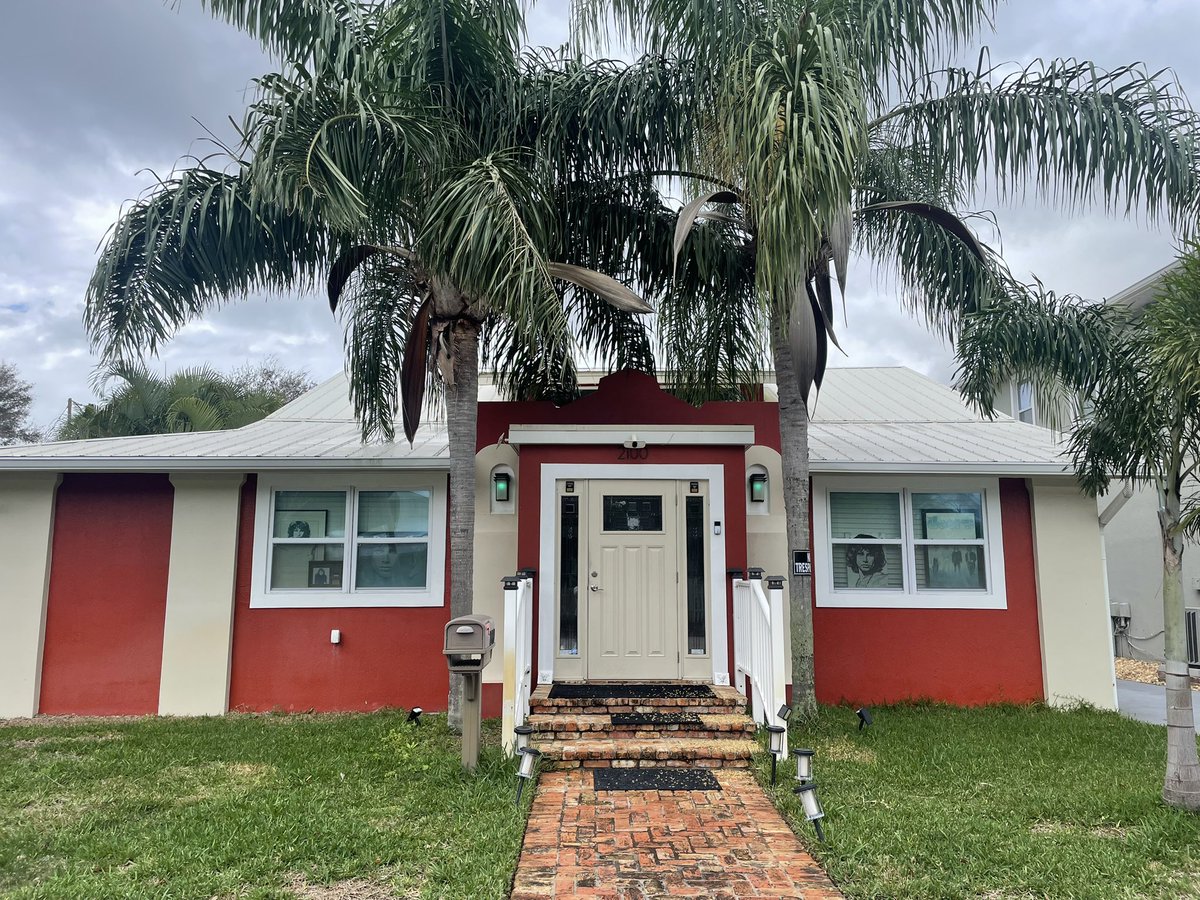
x,y
95,95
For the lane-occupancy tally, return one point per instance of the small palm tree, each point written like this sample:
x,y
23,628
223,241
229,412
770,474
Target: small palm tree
x,y
195,399
818,127
1137,379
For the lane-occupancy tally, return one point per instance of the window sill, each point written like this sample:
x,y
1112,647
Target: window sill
x,y
338,600
900,600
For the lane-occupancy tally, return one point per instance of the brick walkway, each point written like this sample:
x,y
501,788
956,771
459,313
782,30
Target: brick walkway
x,y
640,844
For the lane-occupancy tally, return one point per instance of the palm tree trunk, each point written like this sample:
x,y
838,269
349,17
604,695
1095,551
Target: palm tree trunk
x,y
793,433
462,403
1181,786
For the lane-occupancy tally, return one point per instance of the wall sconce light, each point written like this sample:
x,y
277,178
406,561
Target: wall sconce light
x,y
522,733
414,716
804,763
777,733
529,760
501,486
864,717
758,488
813,810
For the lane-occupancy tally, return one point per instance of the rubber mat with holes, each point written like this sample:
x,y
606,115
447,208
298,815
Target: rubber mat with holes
x,y
626,719
655,780
628,691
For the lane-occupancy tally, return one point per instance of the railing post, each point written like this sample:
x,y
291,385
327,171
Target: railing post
x,y
508,737
778,649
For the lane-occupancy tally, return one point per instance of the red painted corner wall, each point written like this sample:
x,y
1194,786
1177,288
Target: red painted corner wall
x,y
282,658
108,595
964,657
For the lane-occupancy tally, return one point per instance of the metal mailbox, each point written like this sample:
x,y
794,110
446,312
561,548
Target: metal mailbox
x,y
469,643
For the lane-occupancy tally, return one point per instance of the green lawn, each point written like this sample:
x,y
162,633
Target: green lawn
x,y
253,806
1003,802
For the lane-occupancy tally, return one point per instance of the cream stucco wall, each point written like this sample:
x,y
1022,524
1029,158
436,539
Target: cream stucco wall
x,y
1077,661
766,529
198,629
26,533
495,546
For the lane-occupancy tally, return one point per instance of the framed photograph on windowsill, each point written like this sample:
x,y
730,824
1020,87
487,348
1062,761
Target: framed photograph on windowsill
x,y
325,573
302,523
948,525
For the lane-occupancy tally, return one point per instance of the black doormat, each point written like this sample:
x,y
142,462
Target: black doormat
x,y
627,691
654,780
656,719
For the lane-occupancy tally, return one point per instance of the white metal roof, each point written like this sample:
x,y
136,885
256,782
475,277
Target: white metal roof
x,y
866,420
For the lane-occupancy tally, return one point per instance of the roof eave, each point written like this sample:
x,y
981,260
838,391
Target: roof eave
x,y
848,467
208,464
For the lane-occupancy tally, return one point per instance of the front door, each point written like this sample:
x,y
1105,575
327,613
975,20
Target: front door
x,y
632,580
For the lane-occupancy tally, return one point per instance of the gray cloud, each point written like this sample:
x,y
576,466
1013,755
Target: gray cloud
x,y
92,91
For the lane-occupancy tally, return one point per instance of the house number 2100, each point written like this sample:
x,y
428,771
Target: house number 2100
x,y
629,454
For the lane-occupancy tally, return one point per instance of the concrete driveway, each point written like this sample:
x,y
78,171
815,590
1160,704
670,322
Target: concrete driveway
x,y
1146,702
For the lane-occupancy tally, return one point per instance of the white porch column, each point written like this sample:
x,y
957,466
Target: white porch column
x,y
26,534
1072,611
198,629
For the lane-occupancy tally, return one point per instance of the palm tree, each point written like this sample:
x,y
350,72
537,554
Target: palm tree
x,y
1137,379
436,176
195,399
822,126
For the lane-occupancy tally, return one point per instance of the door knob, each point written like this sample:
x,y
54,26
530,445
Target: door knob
x,y
594,588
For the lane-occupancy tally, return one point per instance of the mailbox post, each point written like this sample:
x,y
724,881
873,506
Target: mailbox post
x,y
468,648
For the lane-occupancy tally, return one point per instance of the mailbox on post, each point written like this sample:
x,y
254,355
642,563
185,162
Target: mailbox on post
x,y
469,643
468,649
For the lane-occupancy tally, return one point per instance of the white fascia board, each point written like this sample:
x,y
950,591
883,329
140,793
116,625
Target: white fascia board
x,y
822,467
728,435
200,464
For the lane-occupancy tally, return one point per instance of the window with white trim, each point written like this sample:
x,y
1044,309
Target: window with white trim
x,y
373,540
1024,402
931,544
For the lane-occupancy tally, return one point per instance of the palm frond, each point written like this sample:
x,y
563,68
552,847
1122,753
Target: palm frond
x,y
194,241
1066,128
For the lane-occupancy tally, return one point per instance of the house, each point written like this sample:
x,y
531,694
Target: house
x,y
285,565
1129,521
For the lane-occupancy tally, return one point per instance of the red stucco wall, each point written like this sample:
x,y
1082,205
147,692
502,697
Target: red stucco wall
x,y
959,656
108,588
282,658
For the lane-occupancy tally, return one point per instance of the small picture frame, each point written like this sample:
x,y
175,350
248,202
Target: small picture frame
x,y
953,567
325,573
301,523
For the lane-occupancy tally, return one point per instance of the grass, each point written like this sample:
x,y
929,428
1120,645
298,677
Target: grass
x,y
1002,802
315,806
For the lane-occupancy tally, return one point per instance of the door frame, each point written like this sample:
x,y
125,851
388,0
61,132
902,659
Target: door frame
x,y
547,556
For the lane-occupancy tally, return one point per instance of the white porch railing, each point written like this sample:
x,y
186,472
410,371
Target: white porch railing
x,y
518,653
759,644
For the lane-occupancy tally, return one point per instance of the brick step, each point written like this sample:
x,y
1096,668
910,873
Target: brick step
x,y
726,700
671,752
570,727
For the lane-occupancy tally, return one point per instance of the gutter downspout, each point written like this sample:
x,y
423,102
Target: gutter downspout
x,y
1107,515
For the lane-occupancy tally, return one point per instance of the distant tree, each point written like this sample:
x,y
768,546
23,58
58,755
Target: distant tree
x,y
197,399
1138,379
271,378
15,398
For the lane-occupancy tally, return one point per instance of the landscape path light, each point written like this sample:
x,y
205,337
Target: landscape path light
x,y
777,733
804,763
522,733
785,713
529,761
864,717
414,716
813,810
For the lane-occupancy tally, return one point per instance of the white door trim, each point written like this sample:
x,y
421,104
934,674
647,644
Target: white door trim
x,y
548,576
